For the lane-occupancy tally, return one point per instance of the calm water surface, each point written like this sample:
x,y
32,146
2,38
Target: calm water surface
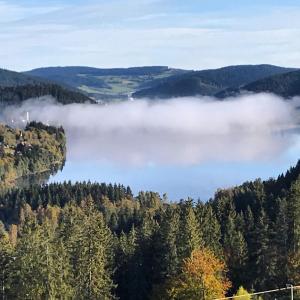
x,y
180,181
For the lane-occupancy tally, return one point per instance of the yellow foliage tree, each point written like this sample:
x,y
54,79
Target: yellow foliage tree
x,y
202,277
242,292
294,267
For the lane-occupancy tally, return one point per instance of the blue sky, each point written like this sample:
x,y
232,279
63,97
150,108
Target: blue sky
x,y
192,34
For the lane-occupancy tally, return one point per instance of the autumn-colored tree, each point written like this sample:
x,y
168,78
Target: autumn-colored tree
x,y
294,267
242,294
202,277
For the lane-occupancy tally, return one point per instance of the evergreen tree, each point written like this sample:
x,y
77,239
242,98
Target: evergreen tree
x,y
210,228
293,207
235,249
42,264
94,245
6,265
126,265
168,260
263,264
190,236
279,242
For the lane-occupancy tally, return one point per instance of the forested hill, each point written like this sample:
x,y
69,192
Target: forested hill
x,y
37,148
16,87
285,85
11,78
106,84
146,247
209,82
20,93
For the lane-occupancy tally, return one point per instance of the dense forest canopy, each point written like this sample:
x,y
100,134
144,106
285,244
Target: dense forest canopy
x,y
97,241
211,82
18,94
37,148
17,87
11,78
163,82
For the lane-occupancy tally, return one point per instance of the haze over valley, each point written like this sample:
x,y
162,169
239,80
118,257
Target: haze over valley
x,y
197,136
149,150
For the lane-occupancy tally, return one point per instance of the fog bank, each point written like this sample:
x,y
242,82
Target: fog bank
x,y
185,131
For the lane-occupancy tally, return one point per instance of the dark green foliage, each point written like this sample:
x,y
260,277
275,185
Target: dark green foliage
x,y
209,82
183,86
235,251
36,149
113,244
106,84
285,85
293,214
11,78
16,87
20,93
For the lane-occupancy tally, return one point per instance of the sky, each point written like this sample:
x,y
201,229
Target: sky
x,y
190,34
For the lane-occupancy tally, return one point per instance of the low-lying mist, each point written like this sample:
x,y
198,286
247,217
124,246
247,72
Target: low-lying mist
x,y
184,131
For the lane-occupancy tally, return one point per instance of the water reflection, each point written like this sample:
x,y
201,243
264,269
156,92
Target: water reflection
x,y
39,178
185,147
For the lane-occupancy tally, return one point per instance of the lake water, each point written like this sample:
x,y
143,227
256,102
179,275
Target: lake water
x,y
180,181
197,181
183,147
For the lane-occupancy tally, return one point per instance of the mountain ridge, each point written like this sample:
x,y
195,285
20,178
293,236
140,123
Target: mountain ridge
x,y
210,82
17,87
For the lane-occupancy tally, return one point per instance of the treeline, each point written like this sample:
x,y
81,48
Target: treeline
x,y
98,241
37,148
19,93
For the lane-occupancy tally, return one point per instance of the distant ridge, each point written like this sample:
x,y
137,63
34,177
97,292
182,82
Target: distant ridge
x,y
285,85
11,78
210,82
17,87
106,84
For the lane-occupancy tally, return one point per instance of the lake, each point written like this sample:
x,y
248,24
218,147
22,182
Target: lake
x,y
198,181
187,147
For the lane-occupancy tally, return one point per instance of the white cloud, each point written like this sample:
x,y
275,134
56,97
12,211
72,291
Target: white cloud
x,y
11,12
186,131
128,33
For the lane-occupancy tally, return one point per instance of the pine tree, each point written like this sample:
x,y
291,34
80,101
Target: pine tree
x,y
190,236
263,263
42,264
144,256
169,230
94,246
126,265
6,265
235,249
210,228
279,242
293,206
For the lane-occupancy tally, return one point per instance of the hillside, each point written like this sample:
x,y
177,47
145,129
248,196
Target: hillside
x,y
36,149
209,82
20,93
139,244
16,87
106,84
11,78
285,85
